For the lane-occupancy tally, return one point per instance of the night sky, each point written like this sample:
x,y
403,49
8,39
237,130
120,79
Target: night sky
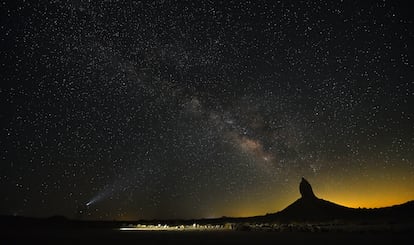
x,y
189,109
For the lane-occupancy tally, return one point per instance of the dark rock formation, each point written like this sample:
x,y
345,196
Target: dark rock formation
x,y
306,189
311,208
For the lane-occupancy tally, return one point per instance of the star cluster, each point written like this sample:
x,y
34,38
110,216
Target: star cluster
x,y
184,109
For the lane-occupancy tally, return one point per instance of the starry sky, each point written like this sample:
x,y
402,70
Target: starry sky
x,y
190,109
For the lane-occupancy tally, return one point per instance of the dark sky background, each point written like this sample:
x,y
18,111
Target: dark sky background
x,y
187,109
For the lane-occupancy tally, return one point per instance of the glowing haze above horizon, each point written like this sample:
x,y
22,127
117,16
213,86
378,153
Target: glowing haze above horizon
x,y
200,109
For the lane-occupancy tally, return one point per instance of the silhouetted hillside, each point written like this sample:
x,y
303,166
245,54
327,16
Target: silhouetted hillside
x,y
308,208
313,209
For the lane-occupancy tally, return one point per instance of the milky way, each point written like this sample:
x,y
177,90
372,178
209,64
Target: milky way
x,y
185,109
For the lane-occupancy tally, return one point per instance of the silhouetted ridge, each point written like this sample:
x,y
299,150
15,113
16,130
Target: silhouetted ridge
x,y
311,208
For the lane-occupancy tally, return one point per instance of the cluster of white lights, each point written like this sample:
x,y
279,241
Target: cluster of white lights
x,y
159,227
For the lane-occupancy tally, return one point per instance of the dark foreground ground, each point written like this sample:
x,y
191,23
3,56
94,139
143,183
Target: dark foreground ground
x,y
112,236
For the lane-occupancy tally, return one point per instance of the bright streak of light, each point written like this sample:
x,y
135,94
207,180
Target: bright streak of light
x,y
194,227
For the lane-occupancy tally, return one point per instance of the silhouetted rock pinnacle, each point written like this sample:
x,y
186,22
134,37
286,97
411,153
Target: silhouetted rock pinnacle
x,y
310,208
306,189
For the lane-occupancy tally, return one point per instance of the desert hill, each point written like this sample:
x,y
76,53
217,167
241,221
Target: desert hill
x,y
311,208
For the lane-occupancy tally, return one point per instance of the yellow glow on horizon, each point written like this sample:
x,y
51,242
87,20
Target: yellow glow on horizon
x,y
355,188
371,195
370,188
367,188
